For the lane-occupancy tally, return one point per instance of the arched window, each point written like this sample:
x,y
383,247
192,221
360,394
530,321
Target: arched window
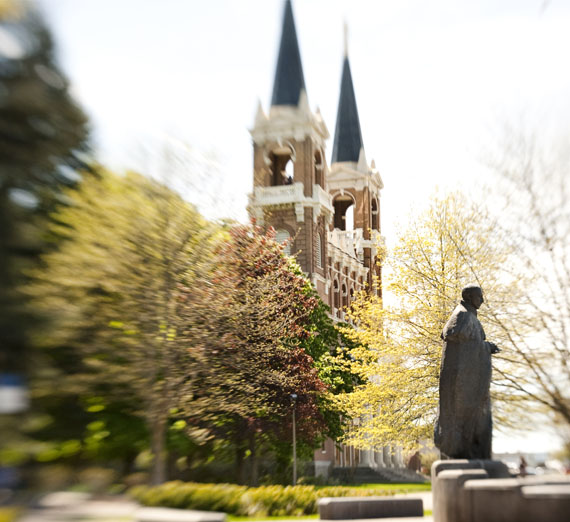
x,y
349,218
375,215
344,296
282,161
282,236
319,166
289,173
343,212
319,250
336,297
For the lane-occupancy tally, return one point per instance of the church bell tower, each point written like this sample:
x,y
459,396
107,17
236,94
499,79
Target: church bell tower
x,y
330,217
290,191
354,185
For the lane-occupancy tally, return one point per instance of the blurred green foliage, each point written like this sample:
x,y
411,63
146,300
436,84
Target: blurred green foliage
x,y
238,500
142,328
43,140
170,333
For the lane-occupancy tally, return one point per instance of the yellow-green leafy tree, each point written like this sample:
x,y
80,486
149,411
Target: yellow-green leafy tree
x,y
398,344
111,294
530,168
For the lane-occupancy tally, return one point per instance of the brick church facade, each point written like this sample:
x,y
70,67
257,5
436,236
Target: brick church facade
x,y
329,214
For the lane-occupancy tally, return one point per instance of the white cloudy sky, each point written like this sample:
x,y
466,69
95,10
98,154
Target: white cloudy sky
x,y
435,81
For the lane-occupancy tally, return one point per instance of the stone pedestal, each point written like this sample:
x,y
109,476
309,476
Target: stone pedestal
x,y
449,499
484,491
518,499
350,508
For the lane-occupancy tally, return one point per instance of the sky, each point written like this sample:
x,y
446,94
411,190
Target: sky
x,y
435,83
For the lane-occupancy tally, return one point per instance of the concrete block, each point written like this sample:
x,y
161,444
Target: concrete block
x,y
350,508
177,515
519,499
547,503
449,502
462,493
495,468
493,500
561,491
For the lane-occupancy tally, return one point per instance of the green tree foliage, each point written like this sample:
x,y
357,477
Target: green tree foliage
x,y
112,293
444,248
251,318
42,138
158,316
330,348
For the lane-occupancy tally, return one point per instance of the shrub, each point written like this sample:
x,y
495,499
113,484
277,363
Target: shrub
x,y
279,501
52,477
96,480
138,478
190,495
242,501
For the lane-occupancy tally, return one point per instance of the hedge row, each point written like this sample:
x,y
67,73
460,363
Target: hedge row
x,y
241,500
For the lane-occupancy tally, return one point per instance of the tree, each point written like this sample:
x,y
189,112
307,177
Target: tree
x,y
154,314
251,317
43,136
329,348
531,170
444,248
112,291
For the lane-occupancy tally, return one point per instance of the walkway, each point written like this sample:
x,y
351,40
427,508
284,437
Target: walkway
x,y
75,507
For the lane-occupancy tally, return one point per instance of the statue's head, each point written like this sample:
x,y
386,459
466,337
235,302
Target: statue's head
x,y
473,294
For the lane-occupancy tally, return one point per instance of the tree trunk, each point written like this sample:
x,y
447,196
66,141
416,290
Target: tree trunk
x,y
127,464
158,449
240,463
254,468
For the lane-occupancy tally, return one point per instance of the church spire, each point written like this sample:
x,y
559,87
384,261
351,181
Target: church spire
x,y
345,39
289,79
347,136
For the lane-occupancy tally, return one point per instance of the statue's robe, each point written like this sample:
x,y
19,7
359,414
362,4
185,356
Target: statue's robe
x,y
464,426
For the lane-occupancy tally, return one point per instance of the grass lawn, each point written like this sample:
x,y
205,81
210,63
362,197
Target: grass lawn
x,y
397,488
232,518
9,514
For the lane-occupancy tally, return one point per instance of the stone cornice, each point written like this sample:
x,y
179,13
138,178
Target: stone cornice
x,y
292,195
345,175
285,123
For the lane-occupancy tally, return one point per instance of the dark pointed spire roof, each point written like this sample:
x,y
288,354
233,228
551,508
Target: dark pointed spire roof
x,y
347,135
289,79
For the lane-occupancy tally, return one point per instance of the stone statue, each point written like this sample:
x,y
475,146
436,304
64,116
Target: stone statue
x,y
463,429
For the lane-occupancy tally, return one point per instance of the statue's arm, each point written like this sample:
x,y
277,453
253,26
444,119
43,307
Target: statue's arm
x,y
493,348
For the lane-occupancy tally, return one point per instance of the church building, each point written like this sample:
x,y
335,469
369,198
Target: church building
x,y
330,216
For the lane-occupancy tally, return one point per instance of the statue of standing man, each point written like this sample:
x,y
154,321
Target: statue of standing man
x,y
464,426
